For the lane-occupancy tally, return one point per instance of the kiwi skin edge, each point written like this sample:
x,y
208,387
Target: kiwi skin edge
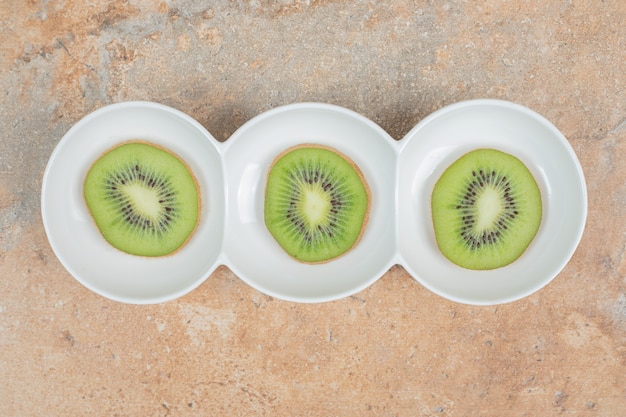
x,y
361,177
162,148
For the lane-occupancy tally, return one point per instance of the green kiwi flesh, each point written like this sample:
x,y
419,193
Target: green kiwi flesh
x,y
143,199
316,203
486,210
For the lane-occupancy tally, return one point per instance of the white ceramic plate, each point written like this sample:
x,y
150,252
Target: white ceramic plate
x,y
76,240
429,148
401,176
250,250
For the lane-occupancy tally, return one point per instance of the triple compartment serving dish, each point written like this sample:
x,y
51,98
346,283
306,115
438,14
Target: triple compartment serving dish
x,y
231,176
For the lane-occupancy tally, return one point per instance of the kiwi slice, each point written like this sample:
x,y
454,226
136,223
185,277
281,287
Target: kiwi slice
x,y
143,198
486,209
316,203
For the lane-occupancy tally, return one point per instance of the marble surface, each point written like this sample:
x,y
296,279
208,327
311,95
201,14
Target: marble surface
x,y
393,349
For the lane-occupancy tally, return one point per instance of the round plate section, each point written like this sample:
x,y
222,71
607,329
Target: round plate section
x,y
435,143
74,236
250,250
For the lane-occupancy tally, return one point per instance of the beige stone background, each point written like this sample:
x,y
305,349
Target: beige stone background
x,y
394,349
